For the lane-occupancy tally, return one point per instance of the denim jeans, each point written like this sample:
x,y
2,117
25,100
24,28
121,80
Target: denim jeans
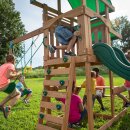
x,y
63,35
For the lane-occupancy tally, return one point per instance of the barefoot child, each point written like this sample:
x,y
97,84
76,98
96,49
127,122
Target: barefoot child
x,y
24,90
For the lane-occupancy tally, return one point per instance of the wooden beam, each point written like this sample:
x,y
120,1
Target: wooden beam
x,y
70,14
58,120
42,6
91,13
115,118
43,127
55,83
69,93
60,71
52,106
78,59
56,94
29,35
117,90
103,116
88,92
109,5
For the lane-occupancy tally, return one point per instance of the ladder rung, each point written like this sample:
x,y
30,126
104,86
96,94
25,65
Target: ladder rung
x,y
51,105
55,94
54,83
56,62
59,71
43,127
50,118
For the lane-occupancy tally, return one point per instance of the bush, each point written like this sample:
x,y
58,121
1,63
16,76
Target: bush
x,y
36,73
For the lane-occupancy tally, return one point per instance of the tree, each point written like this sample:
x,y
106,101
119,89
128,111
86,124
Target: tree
x,y
122,26
11,27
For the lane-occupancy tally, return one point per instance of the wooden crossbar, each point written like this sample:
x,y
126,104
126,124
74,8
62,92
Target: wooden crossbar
x,y
48,117
117,90
91,13
43,127
54,83
109,123
108,5
59,71
51,105
56,94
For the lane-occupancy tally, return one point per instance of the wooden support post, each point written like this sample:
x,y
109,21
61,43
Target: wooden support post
x,y
107,31
89,96
97,6
69,92
84,2
52,40
85,33
111,93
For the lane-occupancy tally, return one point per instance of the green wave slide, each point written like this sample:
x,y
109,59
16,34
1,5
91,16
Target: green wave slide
x,y
113,58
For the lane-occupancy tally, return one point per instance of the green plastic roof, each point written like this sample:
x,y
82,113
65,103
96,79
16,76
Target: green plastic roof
x,y
90,4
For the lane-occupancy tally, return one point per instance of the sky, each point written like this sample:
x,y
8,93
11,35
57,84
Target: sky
x,y
31,16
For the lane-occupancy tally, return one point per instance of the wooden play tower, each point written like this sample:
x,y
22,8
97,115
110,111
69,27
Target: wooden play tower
x,y
86,14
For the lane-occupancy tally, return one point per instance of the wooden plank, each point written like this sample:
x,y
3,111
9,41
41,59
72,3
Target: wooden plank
x,y
69,93
59,71
117,90
29,35
102,116
108,5
111,93
70,14
91,13
97,6
53,125
56,61
114,119
83,33
40,5
46,51
89,96
54,119
55,83
43,127
52,40
84,2
78,59
115,33
51,105
56,94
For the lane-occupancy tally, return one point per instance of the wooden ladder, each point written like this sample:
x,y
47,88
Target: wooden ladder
x,y
48,120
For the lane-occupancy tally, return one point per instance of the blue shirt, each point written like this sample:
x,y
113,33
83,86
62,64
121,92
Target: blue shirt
x,y
19,86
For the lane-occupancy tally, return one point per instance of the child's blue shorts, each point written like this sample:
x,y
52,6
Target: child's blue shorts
x,y
63,35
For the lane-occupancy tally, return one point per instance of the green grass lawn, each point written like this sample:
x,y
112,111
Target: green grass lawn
x,y
25,116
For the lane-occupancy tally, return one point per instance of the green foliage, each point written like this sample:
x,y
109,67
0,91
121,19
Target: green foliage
x,y
122,26
11,27
37,73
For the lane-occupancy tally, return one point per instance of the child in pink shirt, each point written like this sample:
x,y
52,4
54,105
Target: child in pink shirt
x,y
7,72
77,110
